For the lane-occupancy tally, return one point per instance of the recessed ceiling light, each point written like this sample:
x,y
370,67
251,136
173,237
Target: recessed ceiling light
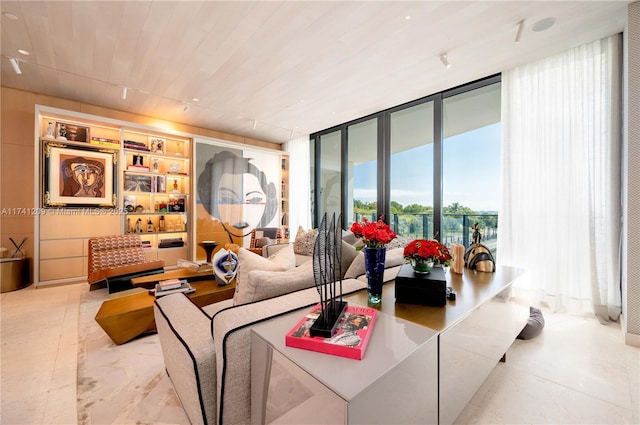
x,y
10,16
543,24
195,99
408,17
24,52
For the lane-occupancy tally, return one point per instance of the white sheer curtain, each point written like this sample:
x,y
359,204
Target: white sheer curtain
x,y
299,184
560,208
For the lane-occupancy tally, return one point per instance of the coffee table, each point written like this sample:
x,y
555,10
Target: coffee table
x,y
126,317
149,281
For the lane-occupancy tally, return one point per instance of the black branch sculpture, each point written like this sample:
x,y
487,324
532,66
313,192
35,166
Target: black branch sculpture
x,y
327,274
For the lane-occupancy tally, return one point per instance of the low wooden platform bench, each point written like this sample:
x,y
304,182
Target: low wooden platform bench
x,y
115,260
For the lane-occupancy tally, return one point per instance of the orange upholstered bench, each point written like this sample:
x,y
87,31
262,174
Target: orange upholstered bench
x,y
120,258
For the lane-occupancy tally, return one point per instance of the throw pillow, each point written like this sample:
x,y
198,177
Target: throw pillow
x,y
349,237
268,284
263,241
285,259
393,258
349,254
534,325
303,244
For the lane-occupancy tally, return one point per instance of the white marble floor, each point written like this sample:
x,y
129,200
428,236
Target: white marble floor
x,y
577,371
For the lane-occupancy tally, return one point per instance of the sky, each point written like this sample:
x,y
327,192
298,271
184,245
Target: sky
x,y
471,172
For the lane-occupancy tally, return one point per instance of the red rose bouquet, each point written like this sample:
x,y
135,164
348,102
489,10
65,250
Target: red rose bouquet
x,y
426,250
374,234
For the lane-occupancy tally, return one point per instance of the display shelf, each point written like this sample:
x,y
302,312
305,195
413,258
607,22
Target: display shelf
x,y
155,184
284,196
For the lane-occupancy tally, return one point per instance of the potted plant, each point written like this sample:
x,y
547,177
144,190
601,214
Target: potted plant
x,y
424,254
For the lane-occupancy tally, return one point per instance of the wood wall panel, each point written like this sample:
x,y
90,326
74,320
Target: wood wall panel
x,y
17,176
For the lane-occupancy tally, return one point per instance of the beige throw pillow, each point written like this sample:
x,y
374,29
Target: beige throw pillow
x,y
248,261
394,257
349,254
268,284
303,244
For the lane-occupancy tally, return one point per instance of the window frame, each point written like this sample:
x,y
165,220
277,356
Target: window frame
x,y
384,148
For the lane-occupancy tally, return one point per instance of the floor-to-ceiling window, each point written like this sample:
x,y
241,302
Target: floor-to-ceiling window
x,y
362,171
330,192
471,165
411,171
430,167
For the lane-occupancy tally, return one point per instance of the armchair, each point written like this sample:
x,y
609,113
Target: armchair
x,y
263,236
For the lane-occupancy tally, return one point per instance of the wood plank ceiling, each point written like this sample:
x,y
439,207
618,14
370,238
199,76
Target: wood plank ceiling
x,y
276,69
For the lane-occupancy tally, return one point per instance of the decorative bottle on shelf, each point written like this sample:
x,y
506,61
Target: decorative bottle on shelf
x,y
161,226
149,225
175,185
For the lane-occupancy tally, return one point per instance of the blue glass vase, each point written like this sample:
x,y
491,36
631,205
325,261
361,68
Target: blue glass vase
x,y
374,265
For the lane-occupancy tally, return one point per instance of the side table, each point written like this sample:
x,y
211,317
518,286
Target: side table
x,y
14,274
396,381
209,247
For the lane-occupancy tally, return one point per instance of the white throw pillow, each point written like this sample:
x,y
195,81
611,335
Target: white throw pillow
x,y
248,261
264,284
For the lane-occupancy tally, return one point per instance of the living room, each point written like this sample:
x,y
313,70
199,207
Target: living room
x,y
260,132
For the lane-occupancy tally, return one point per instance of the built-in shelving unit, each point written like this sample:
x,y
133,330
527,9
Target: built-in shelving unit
x,y
284,196
146,178
156,182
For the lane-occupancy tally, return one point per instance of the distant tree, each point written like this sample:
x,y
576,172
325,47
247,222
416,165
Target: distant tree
x,y
417,208
396,207
456,208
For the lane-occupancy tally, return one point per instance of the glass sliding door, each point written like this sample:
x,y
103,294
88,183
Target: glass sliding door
x,y
362,171
411,171
330,199
471,165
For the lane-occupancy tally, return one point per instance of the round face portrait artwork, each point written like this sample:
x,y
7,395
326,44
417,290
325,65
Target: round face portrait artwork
x,y
237,193
82,177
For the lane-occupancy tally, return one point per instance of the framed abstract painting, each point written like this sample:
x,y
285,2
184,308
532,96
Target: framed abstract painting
x,y
78,177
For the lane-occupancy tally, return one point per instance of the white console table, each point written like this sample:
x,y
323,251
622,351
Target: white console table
x,y
396,381
475,330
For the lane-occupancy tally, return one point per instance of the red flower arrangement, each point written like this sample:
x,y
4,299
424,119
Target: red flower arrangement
x,y
423,249
374,234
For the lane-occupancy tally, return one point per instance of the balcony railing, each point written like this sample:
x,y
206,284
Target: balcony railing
x,y
456,228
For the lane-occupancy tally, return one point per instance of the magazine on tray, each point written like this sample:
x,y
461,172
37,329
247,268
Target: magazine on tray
x,y
351,337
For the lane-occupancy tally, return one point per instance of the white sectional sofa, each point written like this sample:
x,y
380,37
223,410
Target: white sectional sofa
x,y
207,350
